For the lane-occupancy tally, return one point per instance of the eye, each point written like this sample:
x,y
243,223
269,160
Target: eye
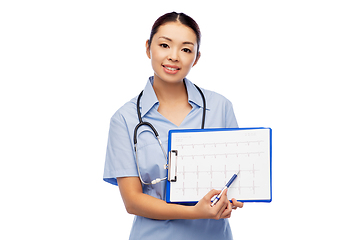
x,y
164,45
187,50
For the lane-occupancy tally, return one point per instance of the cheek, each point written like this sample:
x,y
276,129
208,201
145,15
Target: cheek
x,y
154,53
188,62
157,57
155,61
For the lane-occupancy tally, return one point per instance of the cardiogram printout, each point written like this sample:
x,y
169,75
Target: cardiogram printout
x,y
206,159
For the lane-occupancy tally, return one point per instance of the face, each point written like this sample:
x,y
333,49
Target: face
x,y
172,52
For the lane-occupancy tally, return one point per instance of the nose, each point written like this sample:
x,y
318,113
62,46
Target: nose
x,y
173,55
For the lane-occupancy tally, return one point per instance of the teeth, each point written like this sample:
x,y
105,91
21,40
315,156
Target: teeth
x,y
171,69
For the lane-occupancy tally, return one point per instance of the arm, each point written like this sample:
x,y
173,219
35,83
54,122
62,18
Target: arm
x,y
138,203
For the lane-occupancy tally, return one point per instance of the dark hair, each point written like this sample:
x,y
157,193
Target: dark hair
x,y
177,17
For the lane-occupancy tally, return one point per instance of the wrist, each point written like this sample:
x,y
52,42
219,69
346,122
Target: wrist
x,y
193,213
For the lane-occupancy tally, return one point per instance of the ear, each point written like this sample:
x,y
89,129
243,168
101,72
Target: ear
x,y
148,49
197,59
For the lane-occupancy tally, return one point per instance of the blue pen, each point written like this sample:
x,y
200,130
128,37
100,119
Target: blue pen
x,y
216,198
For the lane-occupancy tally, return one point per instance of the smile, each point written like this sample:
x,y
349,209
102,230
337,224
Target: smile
x,y
171,69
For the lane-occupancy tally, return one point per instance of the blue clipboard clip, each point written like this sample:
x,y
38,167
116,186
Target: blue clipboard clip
x,y
172,167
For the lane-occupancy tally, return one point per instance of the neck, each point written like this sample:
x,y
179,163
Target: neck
x,y
170,92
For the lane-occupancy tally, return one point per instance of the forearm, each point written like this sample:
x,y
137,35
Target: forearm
x,y
151,207
141,204
138,203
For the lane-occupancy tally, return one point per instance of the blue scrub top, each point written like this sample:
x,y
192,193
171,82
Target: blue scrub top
x,y
120,158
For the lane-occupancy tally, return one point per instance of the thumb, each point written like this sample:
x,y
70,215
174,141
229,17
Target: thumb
x,y
212,193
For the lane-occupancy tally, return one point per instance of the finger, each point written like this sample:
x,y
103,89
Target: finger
x,y
223,202
212,193
227,212
236,204
226,216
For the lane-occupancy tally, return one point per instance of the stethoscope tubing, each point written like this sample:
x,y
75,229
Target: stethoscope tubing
x,y
142,123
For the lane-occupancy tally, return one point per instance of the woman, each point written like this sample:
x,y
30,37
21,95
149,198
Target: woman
x,y
168,101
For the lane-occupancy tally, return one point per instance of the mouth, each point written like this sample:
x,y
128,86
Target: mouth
x,y
170,69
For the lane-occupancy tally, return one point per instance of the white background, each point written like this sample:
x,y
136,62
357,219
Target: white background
x,y
67,66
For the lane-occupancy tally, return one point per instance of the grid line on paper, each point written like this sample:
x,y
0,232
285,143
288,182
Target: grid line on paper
x,y
193,145
207,159
226,172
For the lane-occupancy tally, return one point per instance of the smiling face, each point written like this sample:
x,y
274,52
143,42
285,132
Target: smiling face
x,y
172,52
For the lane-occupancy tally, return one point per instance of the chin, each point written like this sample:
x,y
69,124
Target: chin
x,y
169,79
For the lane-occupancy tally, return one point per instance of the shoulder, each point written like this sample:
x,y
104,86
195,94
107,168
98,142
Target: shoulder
x,y
126,112
211,97
215,98
220,110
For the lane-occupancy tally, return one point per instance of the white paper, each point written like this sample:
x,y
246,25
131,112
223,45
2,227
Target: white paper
x,y
207,160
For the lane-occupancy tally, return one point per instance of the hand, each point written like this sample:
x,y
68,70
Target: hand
x,y
222,208
227,211
235,204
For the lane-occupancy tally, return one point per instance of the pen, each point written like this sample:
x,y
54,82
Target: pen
x,y
216,198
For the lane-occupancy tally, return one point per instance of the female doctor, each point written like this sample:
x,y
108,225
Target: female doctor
x,y
168,101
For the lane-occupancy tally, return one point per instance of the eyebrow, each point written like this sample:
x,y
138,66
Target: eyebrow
x,y
169,39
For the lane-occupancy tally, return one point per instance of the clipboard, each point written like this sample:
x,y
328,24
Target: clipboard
x,y
203,159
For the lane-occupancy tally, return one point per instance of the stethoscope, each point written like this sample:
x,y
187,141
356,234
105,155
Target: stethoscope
x,y
142,123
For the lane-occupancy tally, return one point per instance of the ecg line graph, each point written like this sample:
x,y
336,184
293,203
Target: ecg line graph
x,y
205,162
182,177
221,143
235,146
215,155
252,188
225,171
